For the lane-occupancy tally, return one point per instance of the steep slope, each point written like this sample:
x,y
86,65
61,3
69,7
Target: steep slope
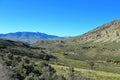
x,y
28,37
109,32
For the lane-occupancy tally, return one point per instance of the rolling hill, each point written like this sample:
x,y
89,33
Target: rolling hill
x,y
28,37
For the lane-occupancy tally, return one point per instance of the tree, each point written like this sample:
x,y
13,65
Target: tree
x,y
46,57
47,73
26,60
10,56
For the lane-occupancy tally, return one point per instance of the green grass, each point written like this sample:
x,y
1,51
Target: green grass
x,y
106,67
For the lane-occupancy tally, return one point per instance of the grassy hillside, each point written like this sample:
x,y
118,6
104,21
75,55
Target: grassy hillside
x,y
83,51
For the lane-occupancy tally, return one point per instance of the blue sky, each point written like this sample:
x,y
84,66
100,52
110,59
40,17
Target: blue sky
x,y
56,17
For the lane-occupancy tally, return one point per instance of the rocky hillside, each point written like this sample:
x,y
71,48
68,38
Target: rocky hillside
x,y
109,32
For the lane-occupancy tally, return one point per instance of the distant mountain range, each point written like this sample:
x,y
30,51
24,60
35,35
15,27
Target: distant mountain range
x,y
29,37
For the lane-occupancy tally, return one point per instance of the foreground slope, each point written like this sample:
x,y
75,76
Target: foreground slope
x,y
18,61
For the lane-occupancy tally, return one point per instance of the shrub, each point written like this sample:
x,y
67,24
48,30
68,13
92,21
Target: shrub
x,y
91,64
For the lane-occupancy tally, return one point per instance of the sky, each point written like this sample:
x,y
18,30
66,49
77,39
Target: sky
x,y
56,17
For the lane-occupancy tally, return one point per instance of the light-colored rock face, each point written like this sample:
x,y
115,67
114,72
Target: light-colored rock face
x,y
107,33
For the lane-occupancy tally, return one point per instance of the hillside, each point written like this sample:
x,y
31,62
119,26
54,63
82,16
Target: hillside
x,y
28,37
22,49
18,61
109,32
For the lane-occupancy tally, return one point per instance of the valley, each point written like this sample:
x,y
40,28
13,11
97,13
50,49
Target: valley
x,y
84,57
59,39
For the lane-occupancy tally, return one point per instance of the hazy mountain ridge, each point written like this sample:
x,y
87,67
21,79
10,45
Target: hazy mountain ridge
x,y
28,37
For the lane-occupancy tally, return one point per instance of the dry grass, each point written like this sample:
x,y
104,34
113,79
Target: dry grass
x,y
97,75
